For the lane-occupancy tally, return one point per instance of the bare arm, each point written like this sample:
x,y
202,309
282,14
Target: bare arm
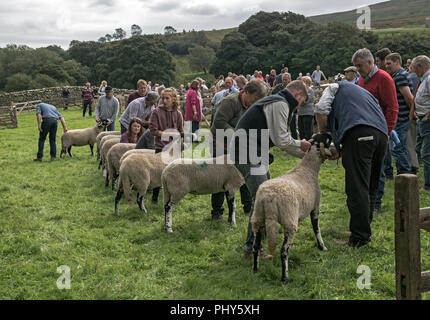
x,y
39,117
63,123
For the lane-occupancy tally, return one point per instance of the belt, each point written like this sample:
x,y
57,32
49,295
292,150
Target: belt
x,y
44,119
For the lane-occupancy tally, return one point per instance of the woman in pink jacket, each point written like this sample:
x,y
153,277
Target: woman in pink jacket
x,y
192,106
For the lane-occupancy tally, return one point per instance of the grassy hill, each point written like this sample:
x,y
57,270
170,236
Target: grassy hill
x,y
388,14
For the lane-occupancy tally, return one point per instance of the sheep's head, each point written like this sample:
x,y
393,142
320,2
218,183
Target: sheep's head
x,y
101,125
322,142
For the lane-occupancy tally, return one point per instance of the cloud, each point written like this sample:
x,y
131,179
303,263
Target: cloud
x,y
201,10
163,6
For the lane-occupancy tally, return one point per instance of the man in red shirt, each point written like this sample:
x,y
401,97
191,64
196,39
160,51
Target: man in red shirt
x,y
140,92
381,85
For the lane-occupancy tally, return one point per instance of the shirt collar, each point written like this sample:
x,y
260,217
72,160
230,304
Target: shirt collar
x,y
371,74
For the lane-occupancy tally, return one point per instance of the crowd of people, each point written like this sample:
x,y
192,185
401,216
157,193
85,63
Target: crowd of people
x,y
376,111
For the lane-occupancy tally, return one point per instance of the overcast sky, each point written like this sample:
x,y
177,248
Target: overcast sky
x,y
44,22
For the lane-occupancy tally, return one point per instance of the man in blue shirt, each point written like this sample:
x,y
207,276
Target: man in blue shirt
x,y
360,135
49,116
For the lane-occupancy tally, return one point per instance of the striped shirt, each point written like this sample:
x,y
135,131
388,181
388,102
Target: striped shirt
x,y
87,94
401,80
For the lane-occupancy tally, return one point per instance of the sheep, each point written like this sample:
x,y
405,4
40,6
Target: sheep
x,y
142,170
197,176
135,151
102,142
80,137
104,151
287,200
101,135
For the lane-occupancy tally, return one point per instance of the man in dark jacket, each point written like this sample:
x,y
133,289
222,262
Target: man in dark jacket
x,y
229,111
360,134
265,124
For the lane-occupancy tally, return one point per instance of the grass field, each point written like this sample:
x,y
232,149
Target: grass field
x,y
59,213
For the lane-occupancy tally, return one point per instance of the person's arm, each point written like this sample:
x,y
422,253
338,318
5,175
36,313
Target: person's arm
x,y
39,118
154,125
224,114
277,123
324,75
389,103
115,110
193,102
97,110
323,107
63,123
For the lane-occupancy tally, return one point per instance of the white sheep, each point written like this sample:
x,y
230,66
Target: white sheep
x,y
80,137
102,142
142,171
107,145
287,200
103,134
197,176
135,151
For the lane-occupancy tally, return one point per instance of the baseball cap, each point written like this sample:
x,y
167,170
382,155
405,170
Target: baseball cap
x,y
353,69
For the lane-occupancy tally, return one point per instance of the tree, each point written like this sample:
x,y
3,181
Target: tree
x,y
44,81
136,30
119,34
201,58
169,30
108,37
19,82
102,39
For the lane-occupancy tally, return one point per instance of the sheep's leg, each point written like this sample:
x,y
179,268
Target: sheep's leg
x,y
63,151
315,226
284,259
100,164
257,247
141,204
69,150
231,209
168,208
92,150
114,180
117,200
107,179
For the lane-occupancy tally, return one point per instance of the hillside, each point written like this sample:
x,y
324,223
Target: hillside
x,y
388,14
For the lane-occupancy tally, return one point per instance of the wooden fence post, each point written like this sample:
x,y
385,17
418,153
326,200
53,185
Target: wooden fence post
x,y
407,237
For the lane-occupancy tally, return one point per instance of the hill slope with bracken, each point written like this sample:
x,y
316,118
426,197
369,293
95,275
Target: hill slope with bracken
x,y
388,14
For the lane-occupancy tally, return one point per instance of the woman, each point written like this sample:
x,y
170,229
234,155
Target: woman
x,y
306,112
134,132
193,107
102,88
165,116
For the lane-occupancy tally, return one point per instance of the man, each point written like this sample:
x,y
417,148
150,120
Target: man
x,y
421,66
87,97
356,122
229,89
66,95
351,75
255,75
380,84
279,76
49,116
316,76
107,109
241,82
139,108
230,110
142,90
380,56
263,125
285,80
393,63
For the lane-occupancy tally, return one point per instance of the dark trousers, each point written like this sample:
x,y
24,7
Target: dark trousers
x,y
48,126
252,182
156,191
88,105
123,129
305,127
195,126
293,126
362,161
218,200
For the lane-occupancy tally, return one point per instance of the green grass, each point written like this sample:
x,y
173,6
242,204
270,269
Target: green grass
x,y
59,213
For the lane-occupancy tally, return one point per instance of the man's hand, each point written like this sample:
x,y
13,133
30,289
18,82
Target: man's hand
x,y
412,116
195,118
65,130
40,128
98,119
305,145
334,154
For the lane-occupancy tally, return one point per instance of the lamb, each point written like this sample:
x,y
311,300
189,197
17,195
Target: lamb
x,y
102,142
287,200
107,145
80,137
113,160
101,135
135,151
142,170
197,176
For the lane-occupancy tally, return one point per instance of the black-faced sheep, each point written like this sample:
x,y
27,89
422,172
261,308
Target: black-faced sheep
x,y
80,137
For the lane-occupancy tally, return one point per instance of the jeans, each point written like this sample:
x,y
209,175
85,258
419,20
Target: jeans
x,y
252,182
400,151
388,165
194,127
423,149
362,161
111,127
400,154
48,126
305,127
89,106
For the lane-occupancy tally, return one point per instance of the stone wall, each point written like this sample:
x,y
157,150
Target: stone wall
x,y
54,96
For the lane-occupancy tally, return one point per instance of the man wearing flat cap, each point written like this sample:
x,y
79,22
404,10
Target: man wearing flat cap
x,y
107,109
351,75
